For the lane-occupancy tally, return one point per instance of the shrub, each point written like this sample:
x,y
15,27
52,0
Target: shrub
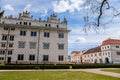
x,y
58,66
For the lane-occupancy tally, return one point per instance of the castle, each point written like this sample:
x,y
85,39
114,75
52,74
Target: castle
x,y
27,41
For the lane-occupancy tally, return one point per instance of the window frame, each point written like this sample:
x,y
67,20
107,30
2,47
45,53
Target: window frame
x,y
61,46
21,44
45,57
32,45
20,57
31,57
61,58
60,35
22,33
46,45
47,34
33,33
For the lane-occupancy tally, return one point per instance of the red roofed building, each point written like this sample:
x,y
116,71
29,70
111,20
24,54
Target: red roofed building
x,y
76,56
110,41
108,52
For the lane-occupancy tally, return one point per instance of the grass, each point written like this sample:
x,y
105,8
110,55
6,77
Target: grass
x,y
52,75
112,70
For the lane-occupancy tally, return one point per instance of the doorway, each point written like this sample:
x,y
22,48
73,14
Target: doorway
x,y
106,60
9,60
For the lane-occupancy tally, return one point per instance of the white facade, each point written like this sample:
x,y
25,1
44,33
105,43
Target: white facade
x,y
108,52
27,41
76,57
113,51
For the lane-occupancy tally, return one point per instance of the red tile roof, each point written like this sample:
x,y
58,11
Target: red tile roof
x,y
111,41
93,50
75,53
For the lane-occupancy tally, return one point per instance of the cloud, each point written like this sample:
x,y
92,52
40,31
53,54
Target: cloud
x,y
67,5
44,13
81,40
9,7
60,6
27,8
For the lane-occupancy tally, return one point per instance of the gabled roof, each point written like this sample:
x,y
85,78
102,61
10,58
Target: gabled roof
x,y
111,41
93,50
75,53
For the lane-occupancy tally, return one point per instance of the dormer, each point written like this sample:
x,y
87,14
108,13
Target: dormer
x,y
25,16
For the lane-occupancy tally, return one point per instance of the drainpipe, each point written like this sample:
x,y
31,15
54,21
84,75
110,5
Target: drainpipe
x,y
6,50
38,47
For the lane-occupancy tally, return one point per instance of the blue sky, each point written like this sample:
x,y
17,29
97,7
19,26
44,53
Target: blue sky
x,y
73,10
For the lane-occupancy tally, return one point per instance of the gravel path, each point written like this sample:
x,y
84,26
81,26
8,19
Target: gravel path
x,y
98,71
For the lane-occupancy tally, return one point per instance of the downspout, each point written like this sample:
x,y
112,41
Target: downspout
x,y
38,47
5,61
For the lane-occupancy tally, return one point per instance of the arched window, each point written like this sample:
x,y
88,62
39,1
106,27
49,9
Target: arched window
x,y
46,25
49,25
57,26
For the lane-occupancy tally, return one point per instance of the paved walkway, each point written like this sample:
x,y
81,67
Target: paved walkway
x,y
96,71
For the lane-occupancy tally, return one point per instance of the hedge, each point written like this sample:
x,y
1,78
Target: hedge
x,y
59,66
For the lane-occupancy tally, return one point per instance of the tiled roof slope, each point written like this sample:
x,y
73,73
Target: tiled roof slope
x,y
93,50
111,41
75,53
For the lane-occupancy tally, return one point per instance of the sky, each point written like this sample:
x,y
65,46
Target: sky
x,y
73,10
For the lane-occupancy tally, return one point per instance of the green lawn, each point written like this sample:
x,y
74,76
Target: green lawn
x,y
112,70
52,75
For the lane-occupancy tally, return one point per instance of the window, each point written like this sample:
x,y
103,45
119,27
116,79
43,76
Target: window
x,y
33,33
32,45
45,57
29,23
61,35
5,28
46,25
25,23
117,46
91,55
49,25
20,23
1,58
57,26
61,58
21,45
11,38
46,45
4,37
10,52
2,44
46,34
20,57
11,45
12,29
103,48
61,46
22,33
95,54
99,54
2,52
31,57
118,53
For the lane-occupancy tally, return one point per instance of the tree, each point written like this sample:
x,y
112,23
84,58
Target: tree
x,y
99,13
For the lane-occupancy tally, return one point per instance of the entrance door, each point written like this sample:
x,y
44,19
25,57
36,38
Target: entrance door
x,y
106,60
9,60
